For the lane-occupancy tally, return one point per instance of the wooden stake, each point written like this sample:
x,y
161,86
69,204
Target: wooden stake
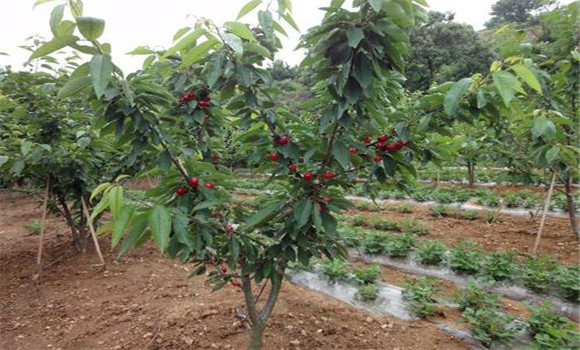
x,y
42,228
546,206
93,234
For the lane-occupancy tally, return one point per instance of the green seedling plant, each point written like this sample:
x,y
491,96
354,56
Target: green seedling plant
x,y
490,325
376,242
420,294
367,275
382,223
431,252
400,245
34,226
537,272
466,257
476,298
336,269
368,292
500,266
550,330
568,281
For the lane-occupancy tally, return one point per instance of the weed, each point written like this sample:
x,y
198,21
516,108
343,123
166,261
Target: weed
x,y
499,265
431,252
470,214
490,216
551,331
489,325
537,272
368,292
475,298
420,293
466,257
34,226
439,210
412,225
367,274
336,269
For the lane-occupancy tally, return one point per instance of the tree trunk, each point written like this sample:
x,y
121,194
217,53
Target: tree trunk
x,y
470,173
256,341
570,203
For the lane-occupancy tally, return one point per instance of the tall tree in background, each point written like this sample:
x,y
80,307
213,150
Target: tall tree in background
x,y
443,50
513,11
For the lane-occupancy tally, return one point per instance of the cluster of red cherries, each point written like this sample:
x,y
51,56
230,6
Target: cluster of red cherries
x,y
382,145
193,184
203,102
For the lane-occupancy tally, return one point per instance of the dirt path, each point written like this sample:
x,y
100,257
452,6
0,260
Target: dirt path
x,y
147,302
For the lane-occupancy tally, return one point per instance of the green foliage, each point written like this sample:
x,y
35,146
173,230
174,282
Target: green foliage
x,y
552,331
466,257
431,252
336,269
419,293
500,265
412,225
537,272
400,245
382,223
491,216
512,11
376,242
368,292
368,274
490,325
473,297
568,280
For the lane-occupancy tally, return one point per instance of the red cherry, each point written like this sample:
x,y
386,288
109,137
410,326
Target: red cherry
x,y
235,283
229,228
283,140
292,168
377,158
328,175
381,145
206,116
321,207
367,139
382,138
352,150
404,143
274,156
224,268
308,176
326,199
193,181
209,185
180,191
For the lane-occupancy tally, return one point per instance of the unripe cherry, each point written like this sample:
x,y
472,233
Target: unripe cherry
x,y
308,176
193,181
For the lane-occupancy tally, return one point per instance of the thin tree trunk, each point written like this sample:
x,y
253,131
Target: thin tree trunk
x,y
42,227
570,204
544,214
470,173
93,234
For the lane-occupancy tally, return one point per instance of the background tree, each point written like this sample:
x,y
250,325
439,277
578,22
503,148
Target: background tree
x,y
513,11
442,50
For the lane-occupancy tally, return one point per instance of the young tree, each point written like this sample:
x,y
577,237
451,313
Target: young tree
x,y
357,57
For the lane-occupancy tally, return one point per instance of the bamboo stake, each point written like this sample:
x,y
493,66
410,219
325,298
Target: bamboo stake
x,y
544,214
92,229
42,228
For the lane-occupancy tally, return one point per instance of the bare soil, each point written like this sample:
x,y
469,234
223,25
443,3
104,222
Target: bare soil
x,y
145,301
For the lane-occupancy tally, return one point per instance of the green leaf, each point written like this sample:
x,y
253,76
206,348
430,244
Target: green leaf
x,y
65,28
528,76
257,49
506,85
263,215
354,35
3,160
544,127
73,86
40,2
235,43
181,32
142,50
302,211
91,28
102,187
376,4
455,95
241,30
481,99
248,8
137,233
197,53
120,225
185,42
55,44
552,153
55,18
180,224
116,200
98,209
291,22
101,69
340,152
17,167
160,225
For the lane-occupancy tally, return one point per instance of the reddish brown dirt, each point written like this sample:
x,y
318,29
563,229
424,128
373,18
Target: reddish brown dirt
x,y
514,232
147,302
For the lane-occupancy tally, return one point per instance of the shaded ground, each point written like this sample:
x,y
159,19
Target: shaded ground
x,y
147,302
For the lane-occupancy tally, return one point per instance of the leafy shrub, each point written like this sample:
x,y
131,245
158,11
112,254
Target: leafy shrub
x,y
376,242
34,226
466,257
500,265
381,223
400,245
367,274
368,292
489,325
419,293
336,269
537,272
431,252
412,225
550,330
476,298
568,280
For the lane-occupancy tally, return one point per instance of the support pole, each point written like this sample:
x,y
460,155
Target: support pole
x,y
544,214
93,234
42,228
